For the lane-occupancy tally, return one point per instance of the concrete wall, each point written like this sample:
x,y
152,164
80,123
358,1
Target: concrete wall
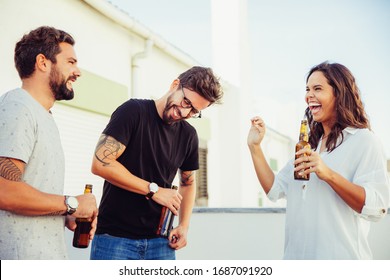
x,y
254,234
246,234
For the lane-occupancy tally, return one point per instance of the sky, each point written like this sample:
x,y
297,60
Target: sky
x,y
287,38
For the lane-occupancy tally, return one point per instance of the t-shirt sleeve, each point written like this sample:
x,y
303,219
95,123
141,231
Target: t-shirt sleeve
x,y
121,123
17,131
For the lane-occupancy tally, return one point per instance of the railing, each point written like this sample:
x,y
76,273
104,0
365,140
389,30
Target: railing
x,y
246,234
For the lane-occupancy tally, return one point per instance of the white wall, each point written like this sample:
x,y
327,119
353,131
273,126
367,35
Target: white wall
x,y
255,234
230,56
105,48
247,234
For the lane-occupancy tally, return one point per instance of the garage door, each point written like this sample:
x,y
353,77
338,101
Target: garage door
x,y
79,131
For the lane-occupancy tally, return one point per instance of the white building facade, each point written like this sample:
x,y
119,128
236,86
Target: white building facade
x,y
120,59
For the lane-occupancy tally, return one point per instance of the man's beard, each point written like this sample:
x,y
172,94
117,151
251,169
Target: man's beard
x,y
59,89
165,116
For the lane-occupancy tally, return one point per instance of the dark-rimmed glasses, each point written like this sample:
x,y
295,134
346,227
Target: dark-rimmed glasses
x,y
186,104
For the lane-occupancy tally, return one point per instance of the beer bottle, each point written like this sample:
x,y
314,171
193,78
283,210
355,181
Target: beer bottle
x,y
81,233
302,143
166,220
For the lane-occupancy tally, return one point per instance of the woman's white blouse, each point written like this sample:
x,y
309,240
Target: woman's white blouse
x,y
319,224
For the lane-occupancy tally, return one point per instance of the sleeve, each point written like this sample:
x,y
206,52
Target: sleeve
x,y
282,179
121,123
373,177
17,131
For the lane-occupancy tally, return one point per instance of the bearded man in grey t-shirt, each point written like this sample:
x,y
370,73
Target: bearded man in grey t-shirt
x,y
33,209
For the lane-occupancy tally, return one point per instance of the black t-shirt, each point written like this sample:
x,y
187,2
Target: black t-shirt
x,y
154,152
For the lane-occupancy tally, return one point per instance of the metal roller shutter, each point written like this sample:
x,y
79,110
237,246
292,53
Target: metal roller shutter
x,y
79,131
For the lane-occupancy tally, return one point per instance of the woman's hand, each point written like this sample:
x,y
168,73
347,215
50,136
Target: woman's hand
x,y
256,132
312,162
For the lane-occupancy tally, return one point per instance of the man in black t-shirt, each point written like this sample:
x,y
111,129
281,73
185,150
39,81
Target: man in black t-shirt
x,y
138,154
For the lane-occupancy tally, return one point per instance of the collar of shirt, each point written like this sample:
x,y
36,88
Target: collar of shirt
x,y
351,130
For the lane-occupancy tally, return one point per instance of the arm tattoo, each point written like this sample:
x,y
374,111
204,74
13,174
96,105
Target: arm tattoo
x,y
58,213
106,149
9,171
187,178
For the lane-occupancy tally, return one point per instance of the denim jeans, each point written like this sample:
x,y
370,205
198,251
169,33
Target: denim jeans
x,y
107,247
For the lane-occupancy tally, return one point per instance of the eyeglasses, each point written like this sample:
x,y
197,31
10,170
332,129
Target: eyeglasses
x,y
186,103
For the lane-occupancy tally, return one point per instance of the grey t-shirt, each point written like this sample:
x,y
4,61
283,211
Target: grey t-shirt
x,y
28,133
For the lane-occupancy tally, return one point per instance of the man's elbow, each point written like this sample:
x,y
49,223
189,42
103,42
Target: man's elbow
x,y
97,168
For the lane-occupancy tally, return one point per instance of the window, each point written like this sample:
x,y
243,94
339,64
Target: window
x,y
273,164
202,195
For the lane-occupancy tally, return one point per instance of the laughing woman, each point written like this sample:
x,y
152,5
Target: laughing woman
x,y
330,217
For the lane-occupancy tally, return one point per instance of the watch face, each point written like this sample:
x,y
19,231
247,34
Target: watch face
x,y
72,202
153,187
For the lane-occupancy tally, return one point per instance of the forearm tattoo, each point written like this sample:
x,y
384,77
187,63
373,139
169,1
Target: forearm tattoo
x,y
58,213
106,149
187,178
9,171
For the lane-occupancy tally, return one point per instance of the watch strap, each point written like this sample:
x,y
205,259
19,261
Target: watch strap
x,y
149,195
69,210
153,188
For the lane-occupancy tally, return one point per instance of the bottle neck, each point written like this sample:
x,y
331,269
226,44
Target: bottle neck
x,y
88,189
303,135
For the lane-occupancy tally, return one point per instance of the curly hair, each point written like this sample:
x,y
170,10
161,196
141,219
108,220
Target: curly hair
x,y
42,40
349,106
202,80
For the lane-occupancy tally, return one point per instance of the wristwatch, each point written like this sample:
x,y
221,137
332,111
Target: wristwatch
x,y
153,188
71,203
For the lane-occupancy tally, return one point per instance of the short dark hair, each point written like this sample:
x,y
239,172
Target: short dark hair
x,y
203,81
42,40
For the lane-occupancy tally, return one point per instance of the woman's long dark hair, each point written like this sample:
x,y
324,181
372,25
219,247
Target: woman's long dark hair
x,y
349,106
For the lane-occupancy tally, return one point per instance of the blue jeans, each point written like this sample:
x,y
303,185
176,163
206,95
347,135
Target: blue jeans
x,y
107,247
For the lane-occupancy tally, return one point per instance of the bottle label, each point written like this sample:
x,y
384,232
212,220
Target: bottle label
x,y
166,221
81,233
303,143
299,175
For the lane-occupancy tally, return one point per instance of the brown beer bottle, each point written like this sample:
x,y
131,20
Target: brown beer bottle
x,y
302,143
81,233
166,220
